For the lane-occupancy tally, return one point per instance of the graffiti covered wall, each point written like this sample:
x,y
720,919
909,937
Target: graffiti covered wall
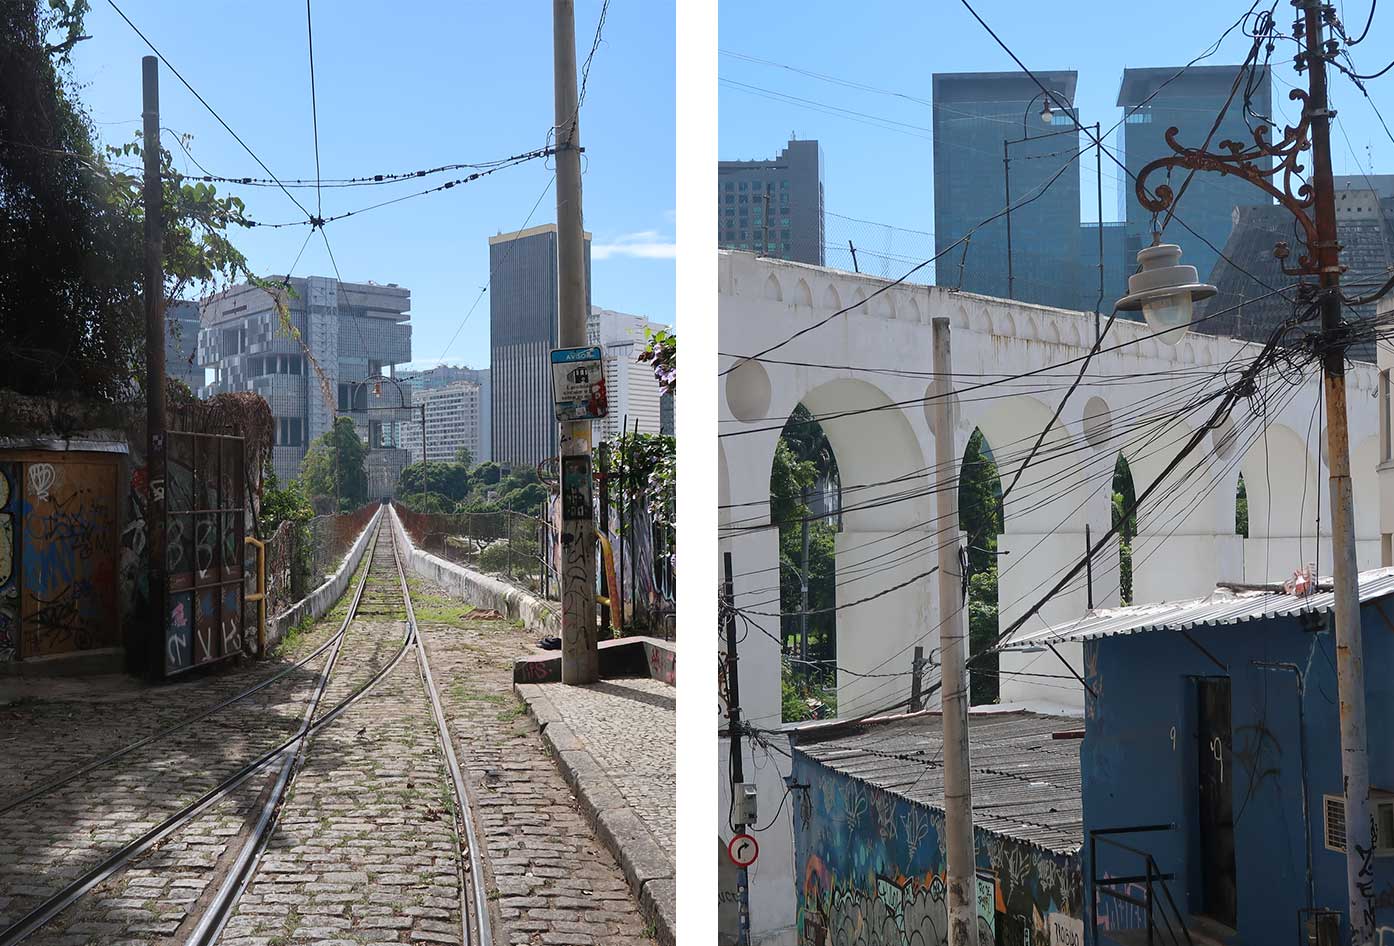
x,y
9,560
870,872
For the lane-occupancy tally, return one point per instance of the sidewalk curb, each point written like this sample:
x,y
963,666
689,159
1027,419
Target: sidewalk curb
x,y
646,867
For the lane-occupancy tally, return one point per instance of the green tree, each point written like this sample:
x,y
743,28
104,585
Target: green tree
x,y
463,457
488,473
451,480
72,217
980,516
334,466
1241,509
804,457
1123,499
282,504
431,504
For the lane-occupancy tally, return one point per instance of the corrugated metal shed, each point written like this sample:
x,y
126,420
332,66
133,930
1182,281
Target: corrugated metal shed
x,y
1026,785
1222,607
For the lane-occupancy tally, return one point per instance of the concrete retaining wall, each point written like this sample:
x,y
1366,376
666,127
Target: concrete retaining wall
x,y
317,603
482,591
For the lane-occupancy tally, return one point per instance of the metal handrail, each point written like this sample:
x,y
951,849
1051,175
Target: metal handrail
x,y
1152,874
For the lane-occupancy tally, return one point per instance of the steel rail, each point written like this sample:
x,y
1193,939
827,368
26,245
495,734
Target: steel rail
x,y
473,878
44,912
50,787
219,910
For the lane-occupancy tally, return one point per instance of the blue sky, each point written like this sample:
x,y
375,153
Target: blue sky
x,y
405,86
883,173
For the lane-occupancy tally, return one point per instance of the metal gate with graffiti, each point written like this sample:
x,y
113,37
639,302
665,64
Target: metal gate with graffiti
x,y
205,525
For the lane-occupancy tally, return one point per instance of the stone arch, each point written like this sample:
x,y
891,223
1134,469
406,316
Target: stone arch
x,y
886,515
980,320
1282,502
802,294
831,300
979,517
858,296
1003,324
773,291
1029,328
883,306
1052,332
1012,425
912,308
1076,337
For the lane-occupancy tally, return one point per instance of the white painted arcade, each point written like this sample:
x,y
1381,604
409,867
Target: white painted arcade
x,y
868,374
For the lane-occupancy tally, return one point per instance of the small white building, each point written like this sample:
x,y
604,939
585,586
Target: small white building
x,y
629,383
453,417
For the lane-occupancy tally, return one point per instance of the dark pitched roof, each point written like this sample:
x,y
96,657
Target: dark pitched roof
x,y
1026,785
1367,244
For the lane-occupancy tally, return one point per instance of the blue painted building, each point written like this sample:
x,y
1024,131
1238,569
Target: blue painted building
x,y
1211,766
868,805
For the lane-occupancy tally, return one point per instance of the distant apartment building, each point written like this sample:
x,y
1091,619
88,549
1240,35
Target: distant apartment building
x,y
438,377
522,333
181,344
1244,307
1189,100
996,144
630,385
351,331
452,421
774,207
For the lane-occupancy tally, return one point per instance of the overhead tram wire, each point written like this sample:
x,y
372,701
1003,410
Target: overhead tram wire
x,y
489,281
314,109
211,111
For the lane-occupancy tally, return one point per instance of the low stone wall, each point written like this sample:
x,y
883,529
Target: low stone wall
x,y
317,603
482,591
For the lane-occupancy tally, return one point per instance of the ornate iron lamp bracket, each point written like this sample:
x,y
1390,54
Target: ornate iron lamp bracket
x,y
1292,191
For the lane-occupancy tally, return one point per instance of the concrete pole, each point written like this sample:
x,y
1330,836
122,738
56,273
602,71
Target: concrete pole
x,y
155,421
958,789
580,659
803,589
1350,660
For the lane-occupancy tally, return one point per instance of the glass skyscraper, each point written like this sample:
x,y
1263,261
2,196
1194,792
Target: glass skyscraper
x,y
522,333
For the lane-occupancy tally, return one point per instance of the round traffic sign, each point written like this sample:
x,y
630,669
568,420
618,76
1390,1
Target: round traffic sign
x,y
743,850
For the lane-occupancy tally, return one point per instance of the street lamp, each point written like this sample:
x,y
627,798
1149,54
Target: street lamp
x,y
1165,291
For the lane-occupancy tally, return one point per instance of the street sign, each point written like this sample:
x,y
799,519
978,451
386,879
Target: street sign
x,y
743,850
578,384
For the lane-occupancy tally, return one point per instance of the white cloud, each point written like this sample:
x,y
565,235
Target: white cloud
x,y
644,244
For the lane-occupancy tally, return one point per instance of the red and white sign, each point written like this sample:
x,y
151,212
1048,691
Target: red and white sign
x,y
743,850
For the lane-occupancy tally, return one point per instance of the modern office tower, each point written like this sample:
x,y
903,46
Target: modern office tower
x,y
774,207
442,375
522,333
452,421
1189,100
348,333
977,176
181,344
1244,307
631,388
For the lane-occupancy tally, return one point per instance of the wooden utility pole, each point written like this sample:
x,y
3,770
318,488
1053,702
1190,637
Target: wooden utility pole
x,y
156,422
580,658
958,788
1350,660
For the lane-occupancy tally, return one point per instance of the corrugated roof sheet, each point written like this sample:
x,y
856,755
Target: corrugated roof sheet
x,y
1026,785
1221,607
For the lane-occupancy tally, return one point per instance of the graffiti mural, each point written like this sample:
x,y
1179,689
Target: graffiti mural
x,y
9,560
871,868
66,522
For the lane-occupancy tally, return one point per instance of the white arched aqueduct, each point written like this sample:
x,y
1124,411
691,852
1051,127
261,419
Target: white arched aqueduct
x,y
868,373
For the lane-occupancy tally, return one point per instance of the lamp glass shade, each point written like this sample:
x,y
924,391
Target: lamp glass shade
x,y
1169,314
1047,116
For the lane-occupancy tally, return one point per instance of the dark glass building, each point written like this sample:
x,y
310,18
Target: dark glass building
x,y
974,113
774,207
522,333
1188,102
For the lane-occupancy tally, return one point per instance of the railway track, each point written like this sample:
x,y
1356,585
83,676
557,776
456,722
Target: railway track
x,y
379,599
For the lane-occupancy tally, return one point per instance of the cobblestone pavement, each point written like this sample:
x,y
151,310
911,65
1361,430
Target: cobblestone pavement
x,y
553,881
629,727
57,727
